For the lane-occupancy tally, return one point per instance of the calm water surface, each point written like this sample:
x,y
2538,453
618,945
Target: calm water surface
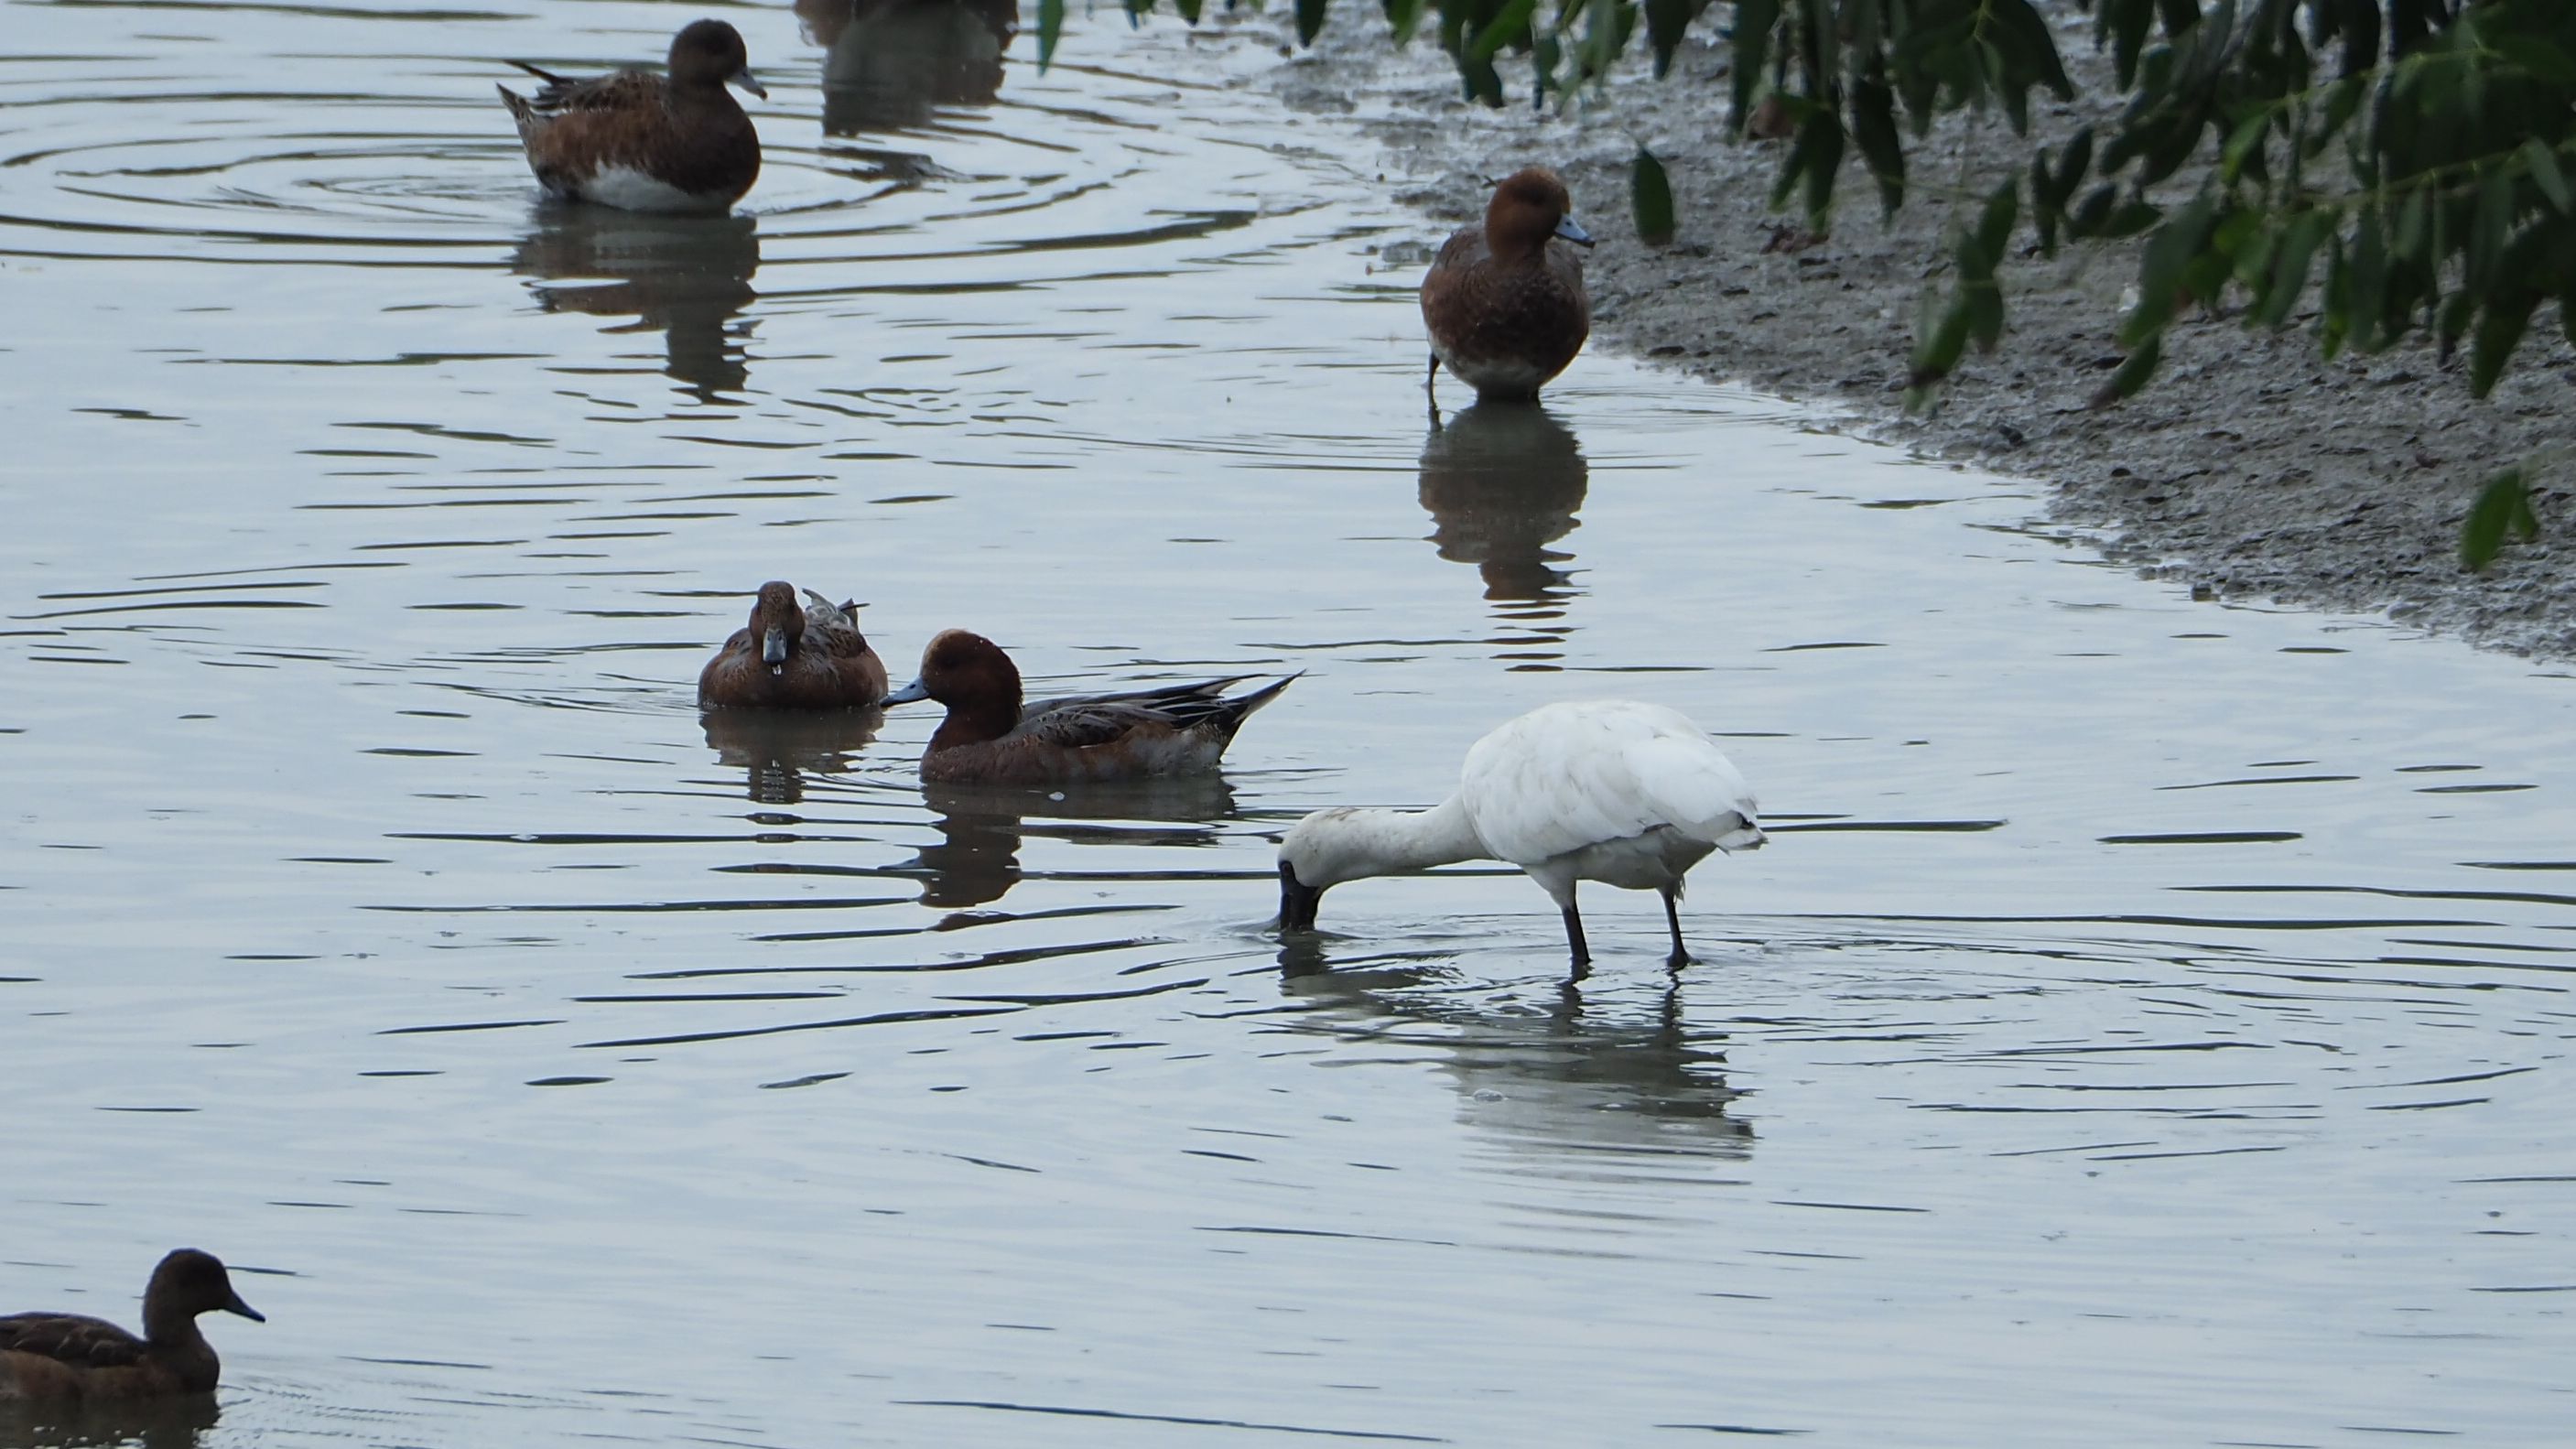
x,y
2151,1023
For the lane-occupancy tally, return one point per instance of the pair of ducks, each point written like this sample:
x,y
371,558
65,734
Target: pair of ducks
x,y
812,656
1616,791
1503,302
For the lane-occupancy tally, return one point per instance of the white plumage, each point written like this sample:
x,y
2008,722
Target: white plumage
x,y
1628,794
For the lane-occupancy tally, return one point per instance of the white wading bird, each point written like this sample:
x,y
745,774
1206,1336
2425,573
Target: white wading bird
x,y
1628,794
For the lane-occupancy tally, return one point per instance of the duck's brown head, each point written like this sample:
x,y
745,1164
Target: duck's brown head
x,y
189,1282
708,53
1529,206
973,677
778,622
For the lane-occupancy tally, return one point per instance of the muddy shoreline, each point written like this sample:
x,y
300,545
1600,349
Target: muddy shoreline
x,y
2249,468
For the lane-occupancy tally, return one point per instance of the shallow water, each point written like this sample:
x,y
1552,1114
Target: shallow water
x,y
2150,1023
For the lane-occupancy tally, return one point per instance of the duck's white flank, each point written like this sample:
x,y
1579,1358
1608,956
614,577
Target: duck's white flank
x,y
628,189
1628,794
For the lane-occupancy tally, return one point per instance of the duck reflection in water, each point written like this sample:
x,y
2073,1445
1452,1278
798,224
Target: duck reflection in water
x,y
1502,481
888,63
977,859
685,276
178,1422
777,749
1548,1072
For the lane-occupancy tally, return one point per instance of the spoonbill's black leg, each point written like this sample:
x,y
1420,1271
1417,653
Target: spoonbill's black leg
x,y
1574,936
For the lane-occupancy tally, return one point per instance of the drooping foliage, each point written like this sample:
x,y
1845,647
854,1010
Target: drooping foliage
x,y
2381,167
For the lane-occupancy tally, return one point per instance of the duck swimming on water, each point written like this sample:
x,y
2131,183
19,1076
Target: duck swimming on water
x,y
791,657
643,142
1628,794
70,1356
991,738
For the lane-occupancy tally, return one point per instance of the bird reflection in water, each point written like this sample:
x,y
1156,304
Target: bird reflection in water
x,y
686,276
981,827
174,1422
888,63
777,749
1555,1074
1502,481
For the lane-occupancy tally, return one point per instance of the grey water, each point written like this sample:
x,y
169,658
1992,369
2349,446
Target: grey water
x,y
2150,1023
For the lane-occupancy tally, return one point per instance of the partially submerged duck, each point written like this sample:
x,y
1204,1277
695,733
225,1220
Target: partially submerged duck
x,y
70,1356
990,739
794,657
643,142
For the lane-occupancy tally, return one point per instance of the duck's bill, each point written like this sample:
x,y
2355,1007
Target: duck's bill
x,y
245,1310
1567,228
1298,901
751,83
909,694
773,647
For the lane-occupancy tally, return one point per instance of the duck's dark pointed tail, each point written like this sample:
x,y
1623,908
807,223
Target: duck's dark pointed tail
x,y
1238,709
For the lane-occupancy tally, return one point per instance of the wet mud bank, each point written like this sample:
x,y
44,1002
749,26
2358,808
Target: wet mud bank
x,y
2250,468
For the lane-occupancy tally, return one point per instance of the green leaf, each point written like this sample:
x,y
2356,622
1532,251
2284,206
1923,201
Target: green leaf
x,y
1874,128
2133,373
1938,342
2290,263
1995,222
1824,160
2127,27
1544,57
2243,141
1666,20
2025,36
2132,219
2500,328
2546,175
2343,98
1754,20
1484,85
2503,506
1310,20
2160,271
2093,213
2364,287
2414,236
1050,28
2072,162
1510,26
2540,58
1650,199
2490,231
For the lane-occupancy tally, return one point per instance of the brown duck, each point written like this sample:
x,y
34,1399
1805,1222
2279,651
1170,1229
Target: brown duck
x,y
69,1356
791,657
644,142
1504,301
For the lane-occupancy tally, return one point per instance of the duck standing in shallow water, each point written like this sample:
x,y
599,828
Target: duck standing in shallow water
x,y
989,739
1631,795
69,1356
1504,301
787,657
643,142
